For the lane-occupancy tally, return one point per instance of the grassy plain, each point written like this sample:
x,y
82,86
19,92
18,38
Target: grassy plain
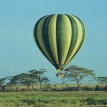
x,y
54,99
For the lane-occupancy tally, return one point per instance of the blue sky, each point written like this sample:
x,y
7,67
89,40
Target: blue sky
x,y
18,51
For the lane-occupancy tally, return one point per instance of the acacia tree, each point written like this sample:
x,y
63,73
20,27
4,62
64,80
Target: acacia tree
x,y
75,73
14,81
41,79
26,79
102,80
2,83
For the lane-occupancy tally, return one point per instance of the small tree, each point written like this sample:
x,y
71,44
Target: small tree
x,y
2,84
27,79
2,81
41,79
14,81
74,73
102,80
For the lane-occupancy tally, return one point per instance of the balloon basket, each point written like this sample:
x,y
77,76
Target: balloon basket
x,y
60,74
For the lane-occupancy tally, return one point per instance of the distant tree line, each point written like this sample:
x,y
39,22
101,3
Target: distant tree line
x,y
38,78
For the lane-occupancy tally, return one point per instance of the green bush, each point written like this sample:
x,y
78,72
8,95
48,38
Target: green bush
x,y
86,88
47,87
91,101
69,89
23,90
105,88
98,88
103,101
29,101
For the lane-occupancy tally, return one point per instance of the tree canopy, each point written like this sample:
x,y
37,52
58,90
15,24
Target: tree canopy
x,y
75,73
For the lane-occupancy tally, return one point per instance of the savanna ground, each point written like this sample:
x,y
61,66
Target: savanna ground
x,y
53,99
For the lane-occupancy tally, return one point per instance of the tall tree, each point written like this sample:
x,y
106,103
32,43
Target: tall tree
x,y
26,79
41,78
75,73
2,84
102,80
14,81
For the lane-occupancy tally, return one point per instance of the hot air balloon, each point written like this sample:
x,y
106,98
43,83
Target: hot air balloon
x,y
59,37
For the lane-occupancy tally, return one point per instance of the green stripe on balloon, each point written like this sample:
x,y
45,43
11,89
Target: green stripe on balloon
x,y
83,28
36,38
83,36
45,36
35,33
74,36
59,36
52,37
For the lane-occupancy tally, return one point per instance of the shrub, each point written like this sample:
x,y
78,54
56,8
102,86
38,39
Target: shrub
x,y
103,101
47,87
105,88
91,101
98,88
23,89
28,101
86,88
69,89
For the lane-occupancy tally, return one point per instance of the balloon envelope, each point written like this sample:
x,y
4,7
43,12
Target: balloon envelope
x,y
59,37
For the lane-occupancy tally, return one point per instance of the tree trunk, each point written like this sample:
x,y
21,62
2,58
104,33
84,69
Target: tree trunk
x,y
28,87
3,88
32,87
17,87
40,86
78,87
40,79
